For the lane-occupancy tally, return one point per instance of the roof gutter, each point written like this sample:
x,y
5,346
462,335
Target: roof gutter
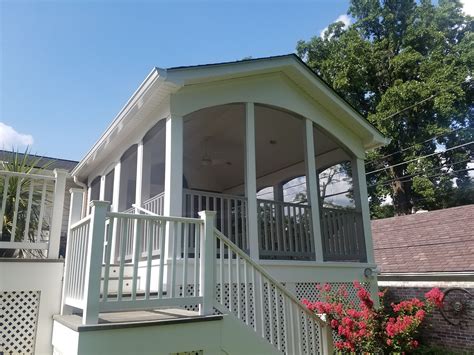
x,y
156,76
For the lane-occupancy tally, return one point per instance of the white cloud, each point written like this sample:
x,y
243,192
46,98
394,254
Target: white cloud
x,y
9,138
468,7
344,18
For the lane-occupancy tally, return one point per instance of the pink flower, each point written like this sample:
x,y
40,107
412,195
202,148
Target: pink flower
x,y
356,284
327,287
435,296
389,342
334,324
420,315
414,344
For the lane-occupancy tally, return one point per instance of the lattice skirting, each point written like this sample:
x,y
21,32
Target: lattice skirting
x,y
18,321
309,291
239,293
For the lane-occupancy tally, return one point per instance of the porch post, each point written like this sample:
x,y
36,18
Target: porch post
x,y
58,209
94,255
251,181
75,214
361,200
139,182
173,199
102,188
312,189
114,208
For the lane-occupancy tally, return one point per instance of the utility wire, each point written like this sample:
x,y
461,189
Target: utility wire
x,y
420,143
422,157
386,182
428,177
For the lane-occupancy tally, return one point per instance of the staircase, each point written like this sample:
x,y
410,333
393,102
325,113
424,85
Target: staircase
x,y
204,271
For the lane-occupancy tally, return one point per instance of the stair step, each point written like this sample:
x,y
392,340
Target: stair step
x,y
114,270
113,284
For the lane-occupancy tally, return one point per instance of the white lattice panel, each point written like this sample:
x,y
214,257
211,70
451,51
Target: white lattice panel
x,y
18,321
308,290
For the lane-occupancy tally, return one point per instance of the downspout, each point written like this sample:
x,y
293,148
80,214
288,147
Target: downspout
x,y
84,195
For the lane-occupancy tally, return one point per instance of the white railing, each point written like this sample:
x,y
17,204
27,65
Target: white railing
x,y
231,213
343,235
31,210
155,204
152,282
76,260
247,291
285,230
216,275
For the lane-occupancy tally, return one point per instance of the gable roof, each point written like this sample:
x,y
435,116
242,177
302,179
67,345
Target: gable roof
x,y
161,83
436,241
276,57
53,163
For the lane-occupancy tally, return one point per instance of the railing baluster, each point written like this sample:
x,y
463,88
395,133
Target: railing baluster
x,y
26,236
149,255
239,298
162,225
174,254
123,246
6,183
15,211
197,257
108,251
185,258
221,269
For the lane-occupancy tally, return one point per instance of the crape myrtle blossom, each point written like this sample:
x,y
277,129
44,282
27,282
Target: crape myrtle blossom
x,y
369,329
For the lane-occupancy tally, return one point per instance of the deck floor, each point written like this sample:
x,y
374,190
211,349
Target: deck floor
x,y
134,319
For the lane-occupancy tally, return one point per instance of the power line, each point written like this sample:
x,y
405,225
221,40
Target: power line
x,y
415,104
418,158
386,182
423,199
428,177
420,143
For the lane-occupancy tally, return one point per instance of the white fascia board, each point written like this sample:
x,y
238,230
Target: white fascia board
x,y
156,76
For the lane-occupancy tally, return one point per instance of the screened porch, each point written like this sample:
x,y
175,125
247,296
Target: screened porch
x,y
216,151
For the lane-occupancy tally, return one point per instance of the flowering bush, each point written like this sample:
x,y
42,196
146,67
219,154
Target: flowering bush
x,y
370,329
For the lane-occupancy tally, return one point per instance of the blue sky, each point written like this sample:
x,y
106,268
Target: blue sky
x,y
67,67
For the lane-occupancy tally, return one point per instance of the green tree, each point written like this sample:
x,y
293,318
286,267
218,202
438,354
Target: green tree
x,y
407,66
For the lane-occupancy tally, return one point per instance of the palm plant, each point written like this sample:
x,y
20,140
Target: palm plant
x,y
25,196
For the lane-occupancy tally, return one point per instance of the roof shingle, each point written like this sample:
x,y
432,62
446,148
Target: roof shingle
x,y
436,241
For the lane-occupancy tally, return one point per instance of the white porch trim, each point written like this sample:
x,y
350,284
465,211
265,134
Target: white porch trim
x,y
251,180
362,203
313,189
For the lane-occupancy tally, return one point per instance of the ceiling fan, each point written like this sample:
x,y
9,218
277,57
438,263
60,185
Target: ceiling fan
x,y
207,160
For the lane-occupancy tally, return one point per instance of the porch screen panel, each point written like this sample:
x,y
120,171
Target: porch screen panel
x,y
154,146
109,186
128,178
283,215
95,189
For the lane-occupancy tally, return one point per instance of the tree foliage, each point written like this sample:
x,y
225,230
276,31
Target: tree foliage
x,y
407,66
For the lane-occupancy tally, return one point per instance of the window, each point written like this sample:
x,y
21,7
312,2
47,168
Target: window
x,y
95,189
109,187
154,145
128,178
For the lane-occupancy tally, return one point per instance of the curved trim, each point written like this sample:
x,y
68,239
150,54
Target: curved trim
x,y
283,95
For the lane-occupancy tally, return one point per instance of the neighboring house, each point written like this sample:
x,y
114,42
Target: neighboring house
x,y
50,164
431,249
174,222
